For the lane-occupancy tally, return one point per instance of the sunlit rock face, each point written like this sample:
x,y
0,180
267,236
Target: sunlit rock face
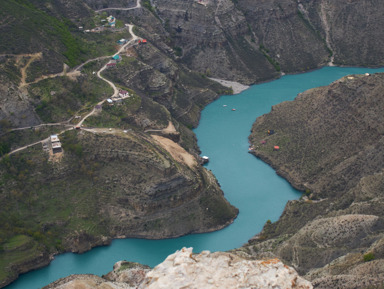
x,y
192,271
220,270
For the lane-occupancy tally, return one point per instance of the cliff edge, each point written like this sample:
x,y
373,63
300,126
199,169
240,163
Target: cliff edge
x,y
186,270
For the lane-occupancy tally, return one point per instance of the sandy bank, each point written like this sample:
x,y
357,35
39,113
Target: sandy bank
x,y
237,87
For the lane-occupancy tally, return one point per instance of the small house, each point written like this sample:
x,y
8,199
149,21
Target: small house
x,y
122,41
110,101
116,58
276,148
111,64
123,93
56,147
55,144
54,138
111,21
143,41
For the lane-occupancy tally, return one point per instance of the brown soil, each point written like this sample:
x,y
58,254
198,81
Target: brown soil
x,y
176,151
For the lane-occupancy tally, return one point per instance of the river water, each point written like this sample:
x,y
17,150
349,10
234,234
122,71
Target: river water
x,y
248,183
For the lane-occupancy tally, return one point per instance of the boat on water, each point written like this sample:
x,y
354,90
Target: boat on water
x,y
205,159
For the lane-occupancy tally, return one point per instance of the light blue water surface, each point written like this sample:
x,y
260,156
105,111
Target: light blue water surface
x,y
248,183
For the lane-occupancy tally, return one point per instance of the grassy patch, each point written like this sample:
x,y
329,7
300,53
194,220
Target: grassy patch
x,y
18,138
10,258
116,115
60,98
217,208
368,257
16,242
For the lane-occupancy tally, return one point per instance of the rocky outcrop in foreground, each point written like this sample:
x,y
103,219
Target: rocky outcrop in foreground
x,y
330,146
186,270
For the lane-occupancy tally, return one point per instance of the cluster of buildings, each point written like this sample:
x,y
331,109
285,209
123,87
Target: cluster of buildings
x,y
115,59
55,144
122,94
111,22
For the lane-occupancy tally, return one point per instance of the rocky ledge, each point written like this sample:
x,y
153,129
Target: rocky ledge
x,y
186,270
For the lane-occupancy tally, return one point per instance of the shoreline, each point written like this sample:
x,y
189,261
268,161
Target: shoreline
x,y
237,87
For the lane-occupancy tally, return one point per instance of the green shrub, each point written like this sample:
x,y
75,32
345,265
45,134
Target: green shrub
x,y
369,257
4,148
178,51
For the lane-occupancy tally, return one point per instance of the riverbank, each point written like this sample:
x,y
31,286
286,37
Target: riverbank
x,y
332,161
236,86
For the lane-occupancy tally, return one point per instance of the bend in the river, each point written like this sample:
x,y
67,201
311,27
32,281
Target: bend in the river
x,y
247,182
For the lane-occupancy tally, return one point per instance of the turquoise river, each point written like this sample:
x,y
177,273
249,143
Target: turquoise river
x,y
248,183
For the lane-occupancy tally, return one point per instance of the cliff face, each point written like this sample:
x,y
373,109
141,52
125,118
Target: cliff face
x,y
284,34
253,41
185,270
215,39
331,147
349,32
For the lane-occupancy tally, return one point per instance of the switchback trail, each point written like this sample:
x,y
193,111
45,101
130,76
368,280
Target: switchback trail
x,y
138,5
76,70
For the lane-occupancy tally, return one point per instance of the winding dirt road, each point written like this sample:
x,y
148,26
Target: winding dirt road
x,y
115,89
76,70
138,5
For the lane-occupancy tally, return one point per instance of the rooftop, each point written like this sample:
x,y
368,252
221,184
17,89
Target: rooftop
x,y
56,145
54,138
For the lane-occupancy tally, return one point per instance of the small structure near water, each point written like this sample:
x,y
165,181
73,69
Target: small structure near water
x,y
204,160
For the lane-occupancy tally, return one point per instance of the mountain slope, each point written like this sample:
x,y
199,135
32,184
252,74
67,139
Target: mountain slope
x,y
331,146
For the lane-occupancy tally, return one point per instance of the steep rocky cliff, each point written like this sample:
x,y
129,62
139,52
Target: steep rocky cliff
x,y
186,270
330,146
